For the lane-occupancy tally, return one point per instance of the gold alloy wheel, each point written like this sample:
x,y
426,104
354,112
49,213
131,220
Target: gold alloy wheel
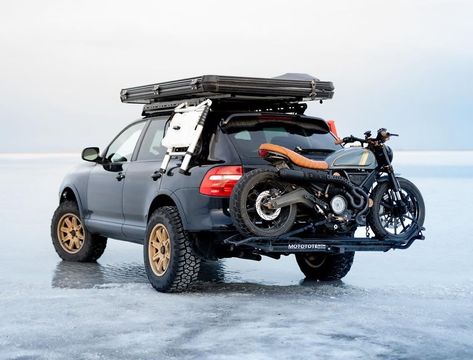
x,y
159,249
70,233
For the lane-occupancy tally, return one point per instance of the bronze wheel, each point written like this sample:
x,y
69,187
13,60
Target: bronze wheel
x,y
170,262
70,237
70,233
159,249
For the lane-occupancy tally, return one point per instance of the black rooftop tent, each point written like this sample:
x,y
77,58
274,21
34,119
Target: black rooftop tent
x,y
286,88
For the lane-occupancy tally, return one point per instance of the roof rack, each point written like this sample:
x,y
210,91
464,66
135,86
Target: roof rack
x,y
285,88
229,103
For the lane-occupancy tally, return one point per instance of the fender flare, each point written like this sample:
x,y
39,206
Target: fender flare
x,y
175,200
76,195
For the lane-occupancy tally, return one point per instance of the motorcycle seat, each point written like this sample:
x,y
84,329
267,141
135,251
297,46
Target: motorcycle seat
x,y
294,157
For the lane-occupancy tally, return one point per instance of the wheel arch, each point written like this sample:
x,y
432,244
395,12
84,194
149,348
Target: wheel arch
x,y
167,199
70,193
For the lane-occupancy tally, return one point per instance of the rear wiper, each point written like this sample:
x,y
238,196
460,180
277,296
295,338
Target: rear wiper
x,y
308,150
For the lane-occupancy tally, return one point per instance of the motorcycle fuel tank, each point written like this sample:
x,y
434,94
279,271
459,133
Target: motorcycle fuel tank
x,y
351,158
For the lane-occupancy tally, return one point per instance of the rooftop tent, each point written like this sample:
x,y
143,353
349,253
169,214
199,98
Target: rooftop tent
x,y
288,87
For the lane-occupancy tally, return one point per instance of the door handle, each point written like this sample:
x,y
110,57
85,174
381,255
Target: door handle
x,y
156,175
120,176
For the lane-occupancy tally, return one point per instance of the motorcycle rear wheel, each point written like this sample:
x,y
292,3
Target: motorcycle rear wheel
x,y
250,216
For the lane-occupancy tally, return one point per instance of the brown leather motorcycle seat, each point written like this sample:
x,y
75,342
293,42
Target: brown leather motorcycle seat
x,y
294,157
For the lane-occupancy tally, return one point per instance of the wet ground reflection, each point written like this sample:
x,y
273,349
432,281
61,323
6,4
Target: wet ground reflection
x,y
74,275
70,275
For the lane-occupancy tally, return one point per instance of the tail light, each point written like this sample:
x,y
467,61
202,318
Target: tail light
x,y
263,153
220,180
332,127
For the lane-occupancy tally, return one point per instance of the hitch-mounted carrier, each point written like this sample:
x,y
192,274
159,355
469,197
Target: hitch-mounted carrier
x,y
289,244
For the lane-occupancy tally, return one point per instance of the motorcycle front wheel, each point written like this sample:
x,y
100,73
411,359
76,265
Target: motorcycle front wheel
x,y
386,219
248,205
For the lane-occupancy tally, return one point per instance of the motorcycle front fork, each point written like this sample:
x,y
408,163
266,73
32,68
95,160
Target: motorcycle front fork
x,y
395,185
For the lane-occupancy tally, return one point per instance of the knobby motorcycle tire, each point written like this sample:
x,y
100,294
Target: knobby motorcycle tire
x,y
373,217
238,205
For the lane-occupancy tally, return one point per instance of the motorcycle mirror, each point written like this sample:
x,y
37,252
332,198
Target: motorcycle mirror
x,y
367,133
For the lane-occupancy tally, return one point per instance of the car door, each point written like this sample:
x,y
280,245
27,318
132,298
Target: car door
x,y
141,184
105,187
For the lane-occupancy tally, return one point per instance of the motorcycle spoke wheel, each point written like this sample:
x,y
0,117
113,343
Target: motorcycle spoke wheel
x,y
393,221
255,210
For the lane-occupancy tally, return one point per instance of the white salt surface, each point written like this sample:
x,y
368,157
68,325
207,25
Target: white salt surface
x,y
411,304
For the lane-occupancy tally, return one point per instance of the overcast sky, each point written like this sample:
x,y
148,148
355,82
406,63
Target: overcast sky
x,y
404,65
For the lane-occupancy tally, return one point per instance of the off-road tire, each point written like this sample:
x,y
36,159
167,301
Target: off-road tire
x,y
238,205
184,264
325,267
93,245
377,195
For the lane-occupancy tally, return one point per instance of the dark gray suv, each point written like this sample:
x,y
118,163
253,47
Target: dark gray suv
x,y
180,211
180,218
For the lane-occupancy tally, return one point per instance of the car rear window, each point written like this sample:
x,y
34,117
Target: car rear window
x,y
290,135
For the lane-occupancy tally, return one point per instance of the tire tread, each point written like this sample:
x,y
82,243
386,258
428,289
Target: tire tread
x,y
188,264
94,245
334,268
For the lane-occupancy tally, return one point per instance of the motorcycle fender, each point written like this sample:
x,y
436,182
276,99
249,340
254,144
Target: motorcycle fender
x,y
382,179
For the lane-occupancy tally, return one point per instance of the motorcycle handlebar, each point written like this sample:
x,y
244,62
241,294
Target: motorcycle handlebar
x,y
348,139
383,136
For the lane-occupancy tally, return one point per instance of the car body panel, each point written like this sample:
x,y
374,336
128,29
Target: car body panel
x,y
138,192
105,197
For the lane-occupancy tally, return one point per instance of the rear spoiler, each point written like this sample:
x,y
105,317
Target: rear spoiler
x,y
245,120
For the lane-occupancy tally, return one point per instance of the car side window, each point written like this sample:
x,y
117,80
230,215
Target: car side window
x,y
121,149
151,148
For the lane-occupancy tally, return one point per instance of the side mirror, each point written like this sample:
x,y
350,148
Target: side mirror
x,y
91,154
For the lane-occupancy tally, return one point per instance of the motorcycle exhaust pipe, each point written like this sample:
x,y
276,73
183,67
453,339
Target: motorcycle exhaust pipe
x,y
303,176
323,177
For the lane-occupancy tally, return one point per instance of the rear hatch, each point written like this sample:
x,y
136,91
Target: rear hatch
x,y
308,136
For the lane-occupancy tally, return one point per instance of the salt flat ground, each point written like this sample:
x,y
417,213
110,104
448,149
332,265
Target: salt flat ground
x,y
412,304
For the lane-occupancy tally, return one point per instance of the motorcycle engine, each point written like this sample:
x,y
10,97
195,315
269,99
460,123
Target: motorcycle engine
x,y
335,203
340,213
338,204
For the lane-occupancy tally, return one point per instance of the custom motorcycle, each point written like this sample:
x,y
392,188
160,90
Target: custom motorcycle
x,y
353,187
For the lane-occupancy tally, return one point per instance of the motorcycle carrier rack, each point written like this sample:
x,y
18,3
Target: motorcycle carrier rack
x,y
288,244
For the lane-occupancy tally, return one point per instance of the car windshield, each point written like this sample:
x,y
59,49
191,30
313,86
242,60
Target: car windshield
x,y
307,140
